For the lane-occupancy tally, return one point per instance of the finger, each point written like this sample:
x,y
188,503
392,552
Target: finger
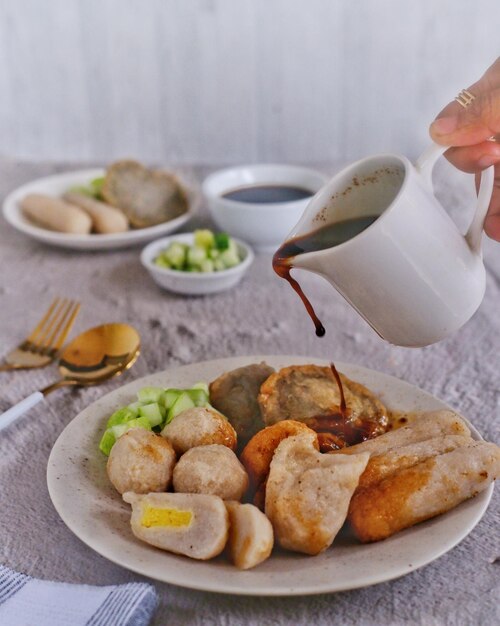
x,y
474,158
492,221
471,125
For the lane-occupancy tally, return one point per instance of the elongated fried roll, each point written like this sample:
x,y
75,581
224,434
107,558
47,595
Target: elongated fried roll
x,y
383,465
423,491
426,426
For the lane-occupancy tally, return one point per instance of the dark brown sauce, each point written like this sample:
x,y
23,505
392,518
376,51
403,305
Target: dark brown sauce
x,y
268,194
335,431
321,239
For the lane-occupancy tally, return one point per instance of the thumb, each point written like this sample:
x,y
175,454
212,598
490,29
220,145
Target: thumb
x,y
459,126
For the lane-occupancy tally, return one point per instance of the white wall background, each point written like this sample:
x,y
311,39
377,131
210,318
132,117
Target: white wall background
x,y
217,81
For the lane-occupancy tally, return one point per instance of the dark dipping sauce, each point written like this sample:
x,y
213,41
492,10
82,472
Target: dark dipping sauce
x,y
323,238
268,194
335,431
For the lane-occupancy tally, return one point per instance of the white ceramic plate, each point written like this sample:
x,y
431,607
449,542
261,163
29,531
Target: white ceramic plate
x,y
56,186
93,510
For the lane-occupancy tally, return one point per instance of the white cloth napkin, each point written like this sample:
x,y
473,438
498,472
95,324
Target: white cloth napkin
x,y
26,601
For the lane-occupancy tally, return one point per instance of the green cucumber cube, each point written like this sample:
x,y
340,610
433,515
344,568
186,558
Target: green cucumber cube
x,y
175,254
198,396
120,416
107,442
222,241
182,403
204,239
196,256
153,413
170,396
134,407
201,385
149,394
230,258
207,266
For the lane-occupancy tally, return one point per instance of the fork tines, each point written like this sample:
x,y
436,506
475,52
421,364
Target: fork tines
x,y
52,330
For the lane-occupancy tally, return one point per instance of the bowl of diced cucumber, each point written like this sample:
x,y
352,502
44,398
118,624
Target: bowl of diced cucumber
x,y
197,263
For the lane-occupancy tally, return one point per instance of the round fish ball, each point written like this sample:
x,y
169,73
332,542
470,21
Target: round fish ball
x,y
251,535
212,469
199,427
141,461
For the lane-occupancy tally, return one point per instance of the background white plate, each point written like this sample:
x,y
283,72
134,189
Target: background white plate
x,y
56,186
93,510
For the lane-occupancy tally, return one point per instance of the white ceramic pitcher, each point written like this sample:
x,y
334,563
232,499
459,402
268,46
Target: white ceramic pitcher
x,y
411,274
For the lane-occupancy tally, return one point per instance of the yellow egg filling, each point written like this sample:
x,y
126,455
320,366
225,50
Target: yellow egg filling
x,y
152,516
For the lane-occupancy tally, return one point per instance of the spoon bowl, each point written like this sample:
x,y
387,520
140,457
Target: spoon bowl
x,y
91,358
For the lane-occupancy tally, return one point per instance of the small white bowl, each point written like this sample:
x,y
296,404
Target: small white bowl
x,y
264,225
194,283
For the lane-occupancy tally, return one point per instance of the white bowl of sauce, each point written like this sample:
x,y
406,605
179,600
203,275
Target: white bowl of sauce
x,y
261,203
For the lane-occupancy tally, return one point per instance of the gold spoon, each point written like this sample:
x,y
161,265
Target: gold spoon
x,y
91,358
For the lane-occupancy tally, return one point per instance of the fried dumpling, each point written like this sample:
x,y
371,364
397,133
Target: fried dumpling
x,y
305,392
192,524
308,493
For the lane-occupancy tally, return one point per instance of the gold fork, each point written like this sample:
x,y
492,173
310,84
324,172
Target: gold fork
x,y
41,347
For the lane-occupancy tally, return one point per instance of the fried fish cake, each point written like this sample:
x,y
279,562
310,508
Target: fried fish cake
x,y
235,393
422,491
258,453
308,495
302,392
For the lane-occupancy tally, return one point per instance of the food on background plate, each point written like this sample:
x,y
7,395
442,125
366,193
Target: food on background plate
x,y
308,493
185,523
141,461
389,481
211,469
235,394
199,426
105,218
210,252
55,214
146,196
424,490
251,536
129,194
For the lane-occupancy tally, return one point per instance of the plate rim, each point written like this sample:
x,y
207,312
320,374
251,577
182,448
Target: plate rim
x,y
95,241
246,588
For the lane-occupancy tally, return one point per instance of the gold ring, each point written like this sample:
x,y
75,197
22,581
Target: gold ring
x,y
465,98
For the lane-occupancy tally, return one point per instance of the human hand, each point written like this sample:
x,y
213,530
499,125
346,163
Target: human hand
x,y
468,130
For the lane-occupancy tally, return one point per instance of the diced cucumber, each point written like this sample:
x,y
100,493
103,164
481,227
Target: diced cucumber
x,y
196,256
96,186
138,422
198,396
175,254
213,254
230,258
219,265
161,261
107,442
170,396
201,385
149,394
207,266
204,239
120,416
182,403
134,407
222,241
154,413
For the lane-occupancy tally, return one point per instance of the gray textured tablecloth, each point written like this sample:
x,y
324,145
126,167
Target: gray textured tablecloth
x,y
262,315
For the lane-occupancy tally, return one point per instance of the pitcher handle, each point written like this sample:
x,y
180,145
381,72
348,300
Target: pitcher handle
x,y
425,164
